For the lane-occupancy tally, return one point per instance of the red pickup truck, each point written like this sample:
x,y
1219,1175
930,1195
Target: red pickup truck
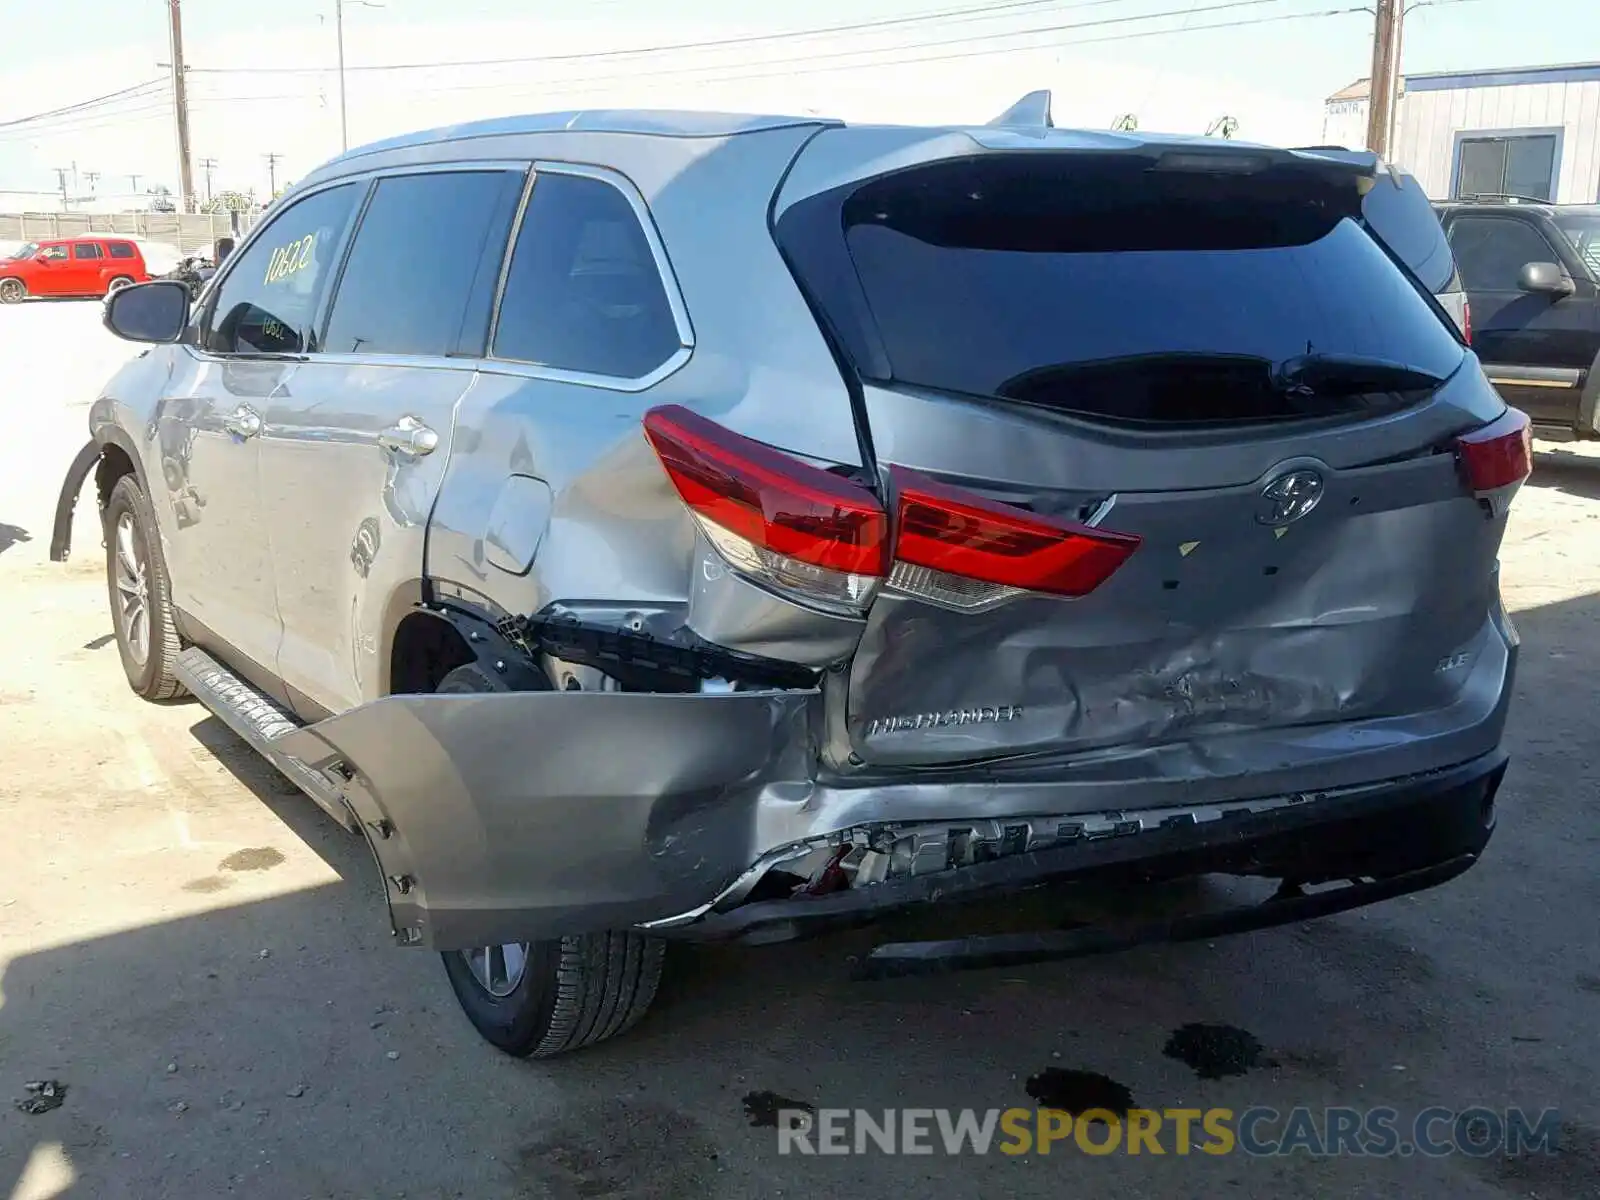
x,y
79,266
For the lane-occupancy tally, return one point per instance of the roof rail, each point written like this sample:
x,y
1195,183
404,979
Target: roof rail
x,y
1501,198
1031,112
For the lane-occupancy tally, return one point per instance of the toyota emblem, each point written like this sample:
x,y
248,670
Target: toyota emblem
x,y
1289,497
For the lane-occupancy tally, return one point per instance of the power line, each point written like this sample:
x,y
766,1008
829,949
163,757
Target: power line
x,y
951,16
802,66
81,104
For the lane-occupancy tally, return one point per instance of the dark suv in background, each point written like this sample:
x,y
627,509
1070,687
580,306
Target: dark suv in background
x,y
1531,271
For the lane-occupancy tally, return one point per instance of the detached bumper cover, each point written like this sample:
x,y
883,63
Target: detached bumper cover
x,y
505,817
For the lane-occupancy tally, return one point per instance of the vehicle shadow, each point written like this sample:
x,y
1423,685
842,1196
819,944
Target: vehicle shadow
x,y
1567,472
284,1047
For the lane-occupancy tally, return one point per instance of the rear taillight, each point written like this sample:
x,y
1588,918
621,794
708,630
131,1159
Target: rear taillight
x,y
954,532
792,525
1466,319
1496,458
826,540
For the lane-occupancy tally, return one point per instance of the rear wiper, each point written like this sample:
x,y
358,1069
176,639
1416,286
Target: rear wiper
x,y
1348,375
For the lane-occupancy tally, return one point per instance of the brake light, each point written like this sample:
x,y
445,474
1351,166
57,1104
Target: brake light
x,y
772,516
826,540
1466,319
951,530
1497,458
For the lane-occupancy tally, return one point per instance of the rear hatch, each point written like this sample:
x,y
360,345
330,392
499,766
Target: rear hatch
x,y
1169,439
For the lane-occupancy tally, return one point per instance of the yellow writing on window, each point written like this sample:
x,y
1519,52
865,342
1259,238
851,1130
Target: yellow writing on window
x,y
291,259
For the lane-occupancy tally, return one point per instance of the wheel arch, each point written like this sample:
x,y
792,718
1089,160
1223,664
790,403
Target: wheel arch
x,y
110,454
424,647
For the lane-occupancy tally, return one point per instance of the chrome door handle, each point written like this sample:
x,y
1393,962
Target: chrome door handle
x,y
410,437
243,422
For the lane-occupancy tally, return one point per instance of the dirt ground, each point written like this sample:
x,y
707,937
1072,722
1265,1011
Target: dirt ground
x,y
200,957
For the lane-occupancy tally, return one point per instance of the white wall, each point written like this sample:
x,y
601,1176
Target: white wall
x,y
1429,121
1345,124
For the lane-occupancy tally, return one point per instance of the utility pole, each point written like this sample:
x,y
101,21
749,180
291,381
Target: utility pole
x,y
1384,91
61,179
93,177
272,173
208,165
133,180
180,108
338,26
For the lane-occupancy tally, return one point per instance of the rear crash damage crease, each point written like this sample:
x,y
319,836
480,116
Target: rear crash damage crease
x,y
530,814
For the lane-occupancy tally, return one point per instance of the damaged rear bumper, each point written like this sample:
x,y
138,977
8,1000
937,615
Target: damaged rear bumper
x,y
508,817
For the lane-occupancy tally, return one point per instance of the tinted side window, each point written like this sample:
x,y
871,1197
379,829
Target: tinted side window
x,y
85,250
268,301
1491,251
421,273
120,249
583,292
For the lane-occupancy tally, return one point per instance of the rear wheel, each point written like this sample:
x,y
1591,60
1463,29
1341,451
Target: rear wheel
x,y
12,291
117,284
542,998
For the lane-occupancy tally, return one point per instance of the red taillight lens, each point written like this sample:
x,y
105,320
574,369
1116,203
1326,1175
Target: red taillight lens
x,y
1498,455
950,530
768,498
1466,319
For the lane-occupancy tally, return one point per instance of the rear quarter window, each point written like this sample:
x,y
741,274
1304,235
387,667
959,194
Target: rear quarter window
x,y
119,249
583,292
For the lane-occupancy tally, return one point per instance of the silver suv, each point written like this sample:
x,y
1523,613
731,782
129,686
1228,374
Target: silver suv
x,y
648,526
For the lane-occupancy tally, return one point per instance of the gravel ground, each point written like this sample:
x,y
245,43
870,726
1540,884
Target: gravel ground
x,y
200,957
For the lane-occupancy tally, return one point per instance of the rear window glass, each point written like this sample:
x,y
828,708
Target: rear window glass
x,y
120,249
1103,288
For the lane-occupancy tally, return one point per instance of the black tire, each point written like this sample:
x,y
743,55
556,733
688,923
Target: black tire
x,y
121,281
13,291
574,991
149,672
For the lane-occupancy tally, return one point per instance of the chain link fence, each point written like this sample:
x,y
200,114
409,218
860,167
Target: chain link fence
x,y
188,232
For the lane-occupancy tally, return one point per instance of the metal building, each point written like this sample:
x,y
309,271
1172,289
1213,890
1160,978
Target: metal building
x,y
1525,131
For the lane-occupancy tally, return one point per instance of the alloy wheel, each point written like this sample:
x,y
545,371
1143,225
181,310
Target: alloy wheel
x,y
498,969
133,590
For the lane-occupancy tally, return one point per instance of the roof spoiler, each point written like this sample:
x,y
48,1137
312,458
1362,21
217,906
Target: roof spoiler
x,y
1031,112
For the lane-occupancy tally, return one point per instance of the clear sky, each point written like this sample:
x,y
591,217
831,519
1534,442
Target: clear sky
x,y
262,78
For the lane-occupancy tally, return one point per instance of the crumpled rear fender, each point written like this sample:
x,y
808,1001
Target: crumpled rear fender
x,y
513,816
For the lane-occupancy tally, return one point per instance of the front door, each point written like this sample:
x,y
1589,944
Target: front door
x,y
355,448
53,274
1535,347
253,336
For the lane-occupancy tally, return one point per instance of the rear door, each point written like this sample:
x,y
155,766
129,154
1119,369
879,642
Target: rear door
x,y
87,259
1536,348
352,454
1212,361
